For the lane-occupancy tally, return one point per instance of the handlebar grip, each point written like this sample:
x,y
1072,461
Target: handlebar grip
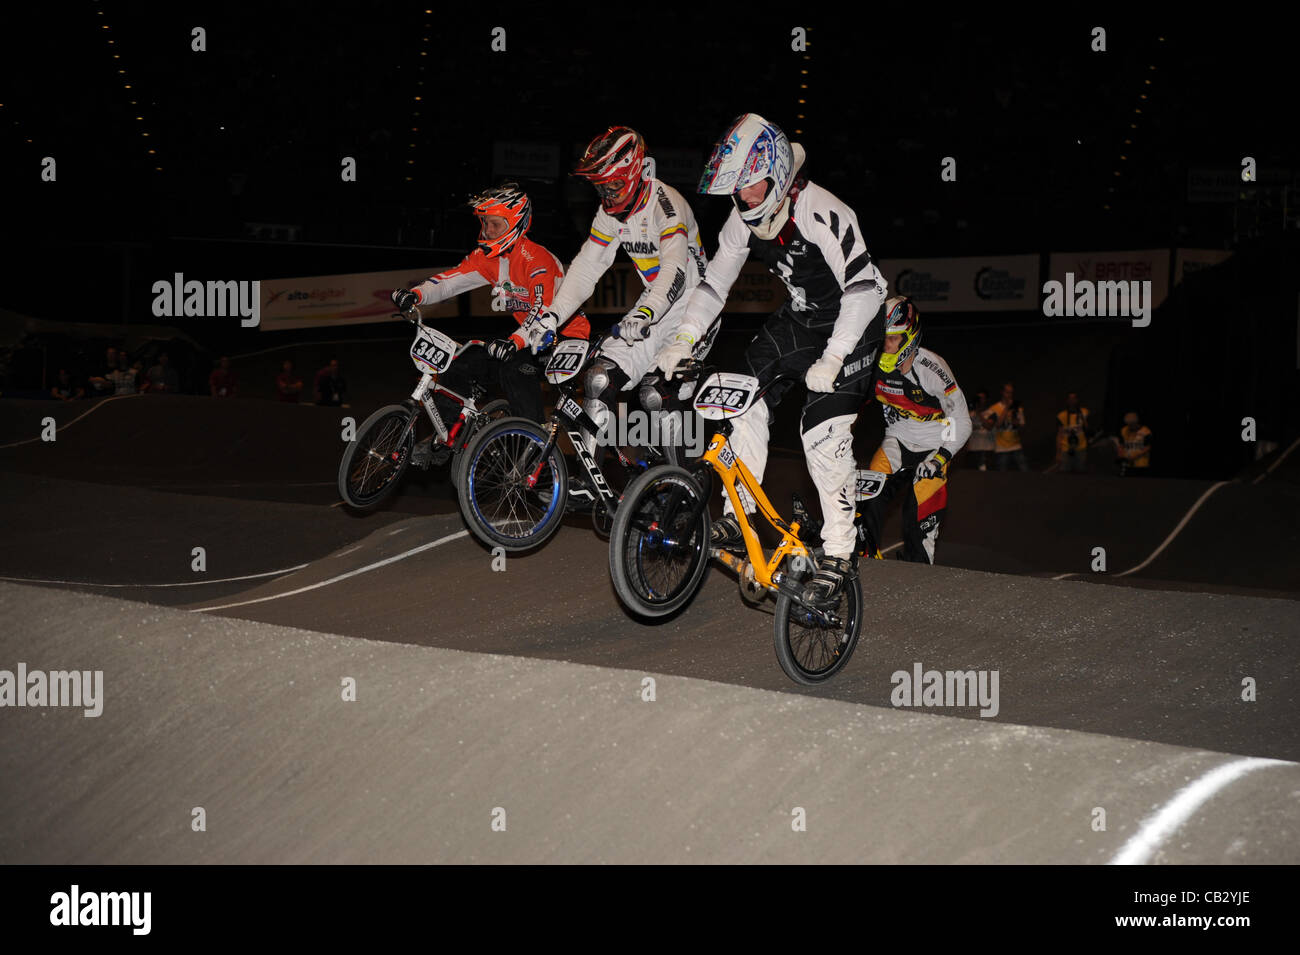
x,y
616,331
547,340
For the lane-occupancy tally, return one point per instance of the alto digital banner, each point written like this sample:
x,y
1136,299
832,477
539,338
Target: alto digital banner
x,y
363,297
994,283
1143,265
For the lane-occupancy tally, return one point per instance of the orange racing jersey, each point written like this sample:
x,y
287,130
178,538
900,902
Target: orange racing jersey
x,y
522,280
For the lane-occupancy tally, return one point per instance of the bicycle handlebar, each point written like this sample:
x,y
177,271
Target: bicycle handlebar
x,y
645,332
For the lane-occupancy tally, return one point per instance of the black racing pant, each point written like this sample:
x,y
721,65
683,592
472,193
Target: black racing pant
x,y
925,503
785,346
519,378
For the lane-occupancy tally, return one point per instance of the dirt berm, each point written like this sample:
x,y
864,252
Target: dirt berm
x,y
248,722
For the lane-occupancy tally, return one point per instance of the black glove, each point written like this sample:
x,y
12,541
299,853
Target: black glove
x,y
502,349
405,299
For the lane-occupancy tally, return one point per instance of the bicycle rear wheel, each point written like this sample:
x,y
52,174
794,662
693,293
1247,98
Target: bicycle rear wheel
x,y
375,459
659,542
809,651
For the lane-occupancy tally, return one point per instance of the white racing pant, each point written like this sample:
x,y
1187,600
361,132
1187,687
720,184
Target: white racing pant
x,y
635,361
828,453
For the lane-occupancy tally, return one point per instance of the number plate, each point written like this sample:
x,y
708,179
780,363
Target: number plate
x,y
870,483
566,360
725,395
726,456
432,351
570,407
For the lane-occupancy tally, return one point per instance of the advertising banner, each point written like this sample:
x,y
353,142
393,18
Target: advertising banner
x,y
1144,265
358,298
993,283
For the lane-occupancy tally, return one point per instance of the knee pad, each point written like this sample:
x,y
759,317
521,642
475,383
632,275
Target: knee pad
x,y
599,377
649,393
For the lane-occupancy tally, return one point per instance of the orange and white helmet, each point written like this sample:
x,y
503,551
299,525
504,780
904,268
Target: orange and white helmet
x,y
613,163
510,203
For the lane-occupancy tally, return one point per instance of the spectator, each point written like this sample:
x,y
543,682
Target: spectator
x,y
330,386
101,385
141,380
1133,447
1007,417
122,377
980,444
288,385
1072,436
65,389
162,376
223,380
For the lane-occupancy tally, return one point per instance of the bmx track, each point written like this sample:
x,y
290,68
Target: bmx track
x,y
522,695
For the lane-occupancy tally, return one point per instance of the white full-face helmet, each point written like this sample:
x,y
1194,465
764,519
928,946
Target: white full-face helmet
x,y
752,150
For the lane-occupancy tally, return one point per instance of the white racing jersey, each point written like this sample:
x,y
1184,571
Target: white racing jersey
x,y
663,241
922,405
821,256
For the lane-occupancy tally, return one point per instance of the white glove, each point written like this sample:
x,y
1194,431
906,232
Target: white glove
x,y
535,330
931,467
821,376
674,353
635,326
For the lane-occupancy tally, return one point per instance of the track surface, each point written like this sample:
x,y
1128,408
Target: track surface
x,y
1151,660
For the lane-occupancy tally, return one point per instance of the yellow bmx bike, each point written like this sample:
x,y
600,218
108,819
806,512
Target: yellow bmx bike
x,y
659,545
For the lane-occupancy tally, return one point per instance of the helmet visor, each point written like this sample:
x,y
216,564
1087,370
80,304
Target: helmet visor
x,y
717,180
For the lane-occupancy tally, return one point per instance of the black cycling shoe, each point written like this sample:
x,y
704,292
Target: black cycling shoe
x,y
425,455
582,496
422,453
825,588
726,534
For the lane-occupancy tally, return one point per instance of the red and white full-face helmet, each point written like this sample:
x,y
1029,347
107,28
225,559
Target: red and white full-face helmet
x,y
510,203
613,163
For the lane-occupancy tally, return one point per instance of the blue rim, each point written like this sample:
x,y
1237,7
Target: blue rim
x,y
473,500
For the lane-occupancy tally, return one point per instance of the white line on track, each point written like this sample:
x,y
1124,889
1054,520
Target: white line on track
x,y
101,404
1168,540
1143,843
188,583
168,487
1279,460
333,580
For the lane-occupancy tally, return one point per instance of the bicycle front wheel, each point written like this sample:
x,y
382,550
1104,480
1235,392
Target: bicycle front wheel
x,y
509,496
809,650
659,542
493,410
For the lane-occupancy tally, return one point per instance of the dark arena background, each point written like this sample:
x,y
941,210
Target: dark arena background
x,y
290,679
